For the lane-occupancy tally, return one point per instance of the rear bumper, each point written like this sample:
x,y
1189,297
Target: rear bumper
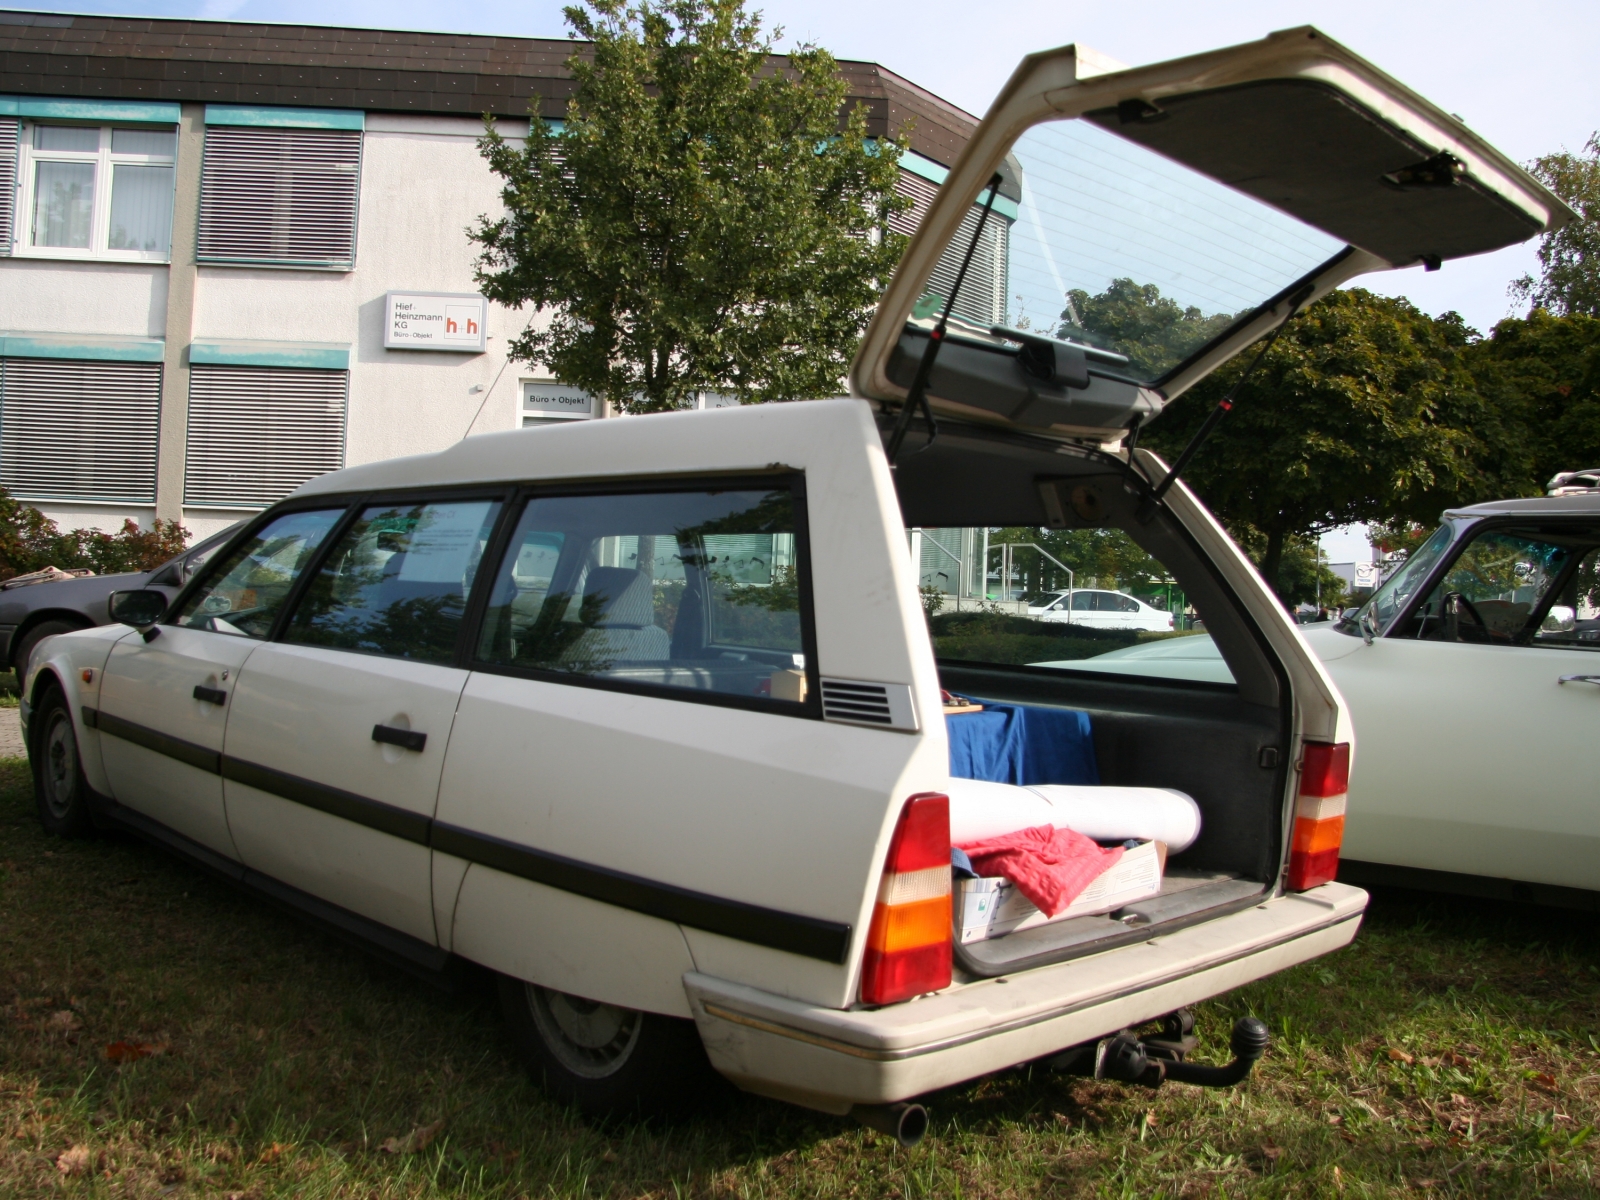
x,y
830,1059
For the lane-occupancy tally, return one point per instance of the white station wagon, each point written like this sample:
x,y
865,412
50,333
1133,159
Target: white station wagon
x,y
645,716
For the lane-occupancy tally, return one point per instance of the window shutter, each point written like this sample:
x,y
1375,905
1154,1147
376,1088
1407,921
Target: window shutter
x,y
280,197
257,433
983,292
79,430
9,127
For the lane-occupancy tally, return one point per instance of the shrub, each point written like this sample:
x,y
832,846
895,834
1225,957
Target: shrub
x,y
31,541
1004,638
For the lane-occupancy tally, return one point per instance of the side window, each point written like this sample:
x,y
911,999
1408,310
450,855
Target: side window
x,y
1573,621
1126,604
693,590
1083,601
248,588
1493,587
397,582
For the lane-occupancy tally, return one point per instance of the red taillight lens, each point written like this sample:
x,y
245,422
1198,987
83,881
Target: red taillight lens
x,y
1319,815
908,945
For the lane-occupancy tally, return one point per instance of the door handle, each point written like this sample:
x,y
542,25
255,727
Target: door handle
x,y
210,695
406,739
1579,679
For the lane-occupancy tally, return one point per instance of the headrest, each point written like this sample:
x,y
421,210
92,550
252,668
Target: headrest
x,y
620,596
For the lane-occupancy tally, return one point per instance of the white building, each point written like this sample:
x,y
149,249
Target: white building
x,y
234,256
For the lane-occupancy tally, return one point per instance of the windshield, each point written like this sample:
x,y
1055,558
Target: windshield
x,y
1396,593
1114,246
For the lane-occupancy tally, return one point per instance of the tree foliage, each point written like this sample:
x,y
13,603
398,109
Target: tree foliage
x,y
701,221
1569,258
1155,332
1363,410
31,541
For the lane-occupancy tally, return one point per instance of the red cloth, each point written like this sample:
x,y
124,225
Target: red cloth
x,y
1050,866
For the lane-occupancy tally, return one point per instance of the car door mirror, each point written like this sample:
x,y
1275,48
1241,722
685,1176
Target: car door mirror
x,y
138,608
1560,619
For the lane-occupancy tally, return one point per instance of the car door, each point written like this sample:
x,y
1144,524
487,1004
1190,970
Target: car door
x,y
164,698
339,728
1474,756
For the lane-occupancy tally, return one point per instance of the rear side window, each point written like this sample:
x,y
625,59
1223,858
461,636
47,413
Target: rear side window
x,y
695,591
397,581
248,589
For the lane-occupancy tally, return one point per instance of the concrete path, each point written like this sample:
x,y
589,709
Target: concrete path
x,y
11,734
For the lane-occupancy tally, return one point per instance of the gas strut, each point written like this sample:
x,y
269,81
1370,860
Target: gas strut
x,y
917,395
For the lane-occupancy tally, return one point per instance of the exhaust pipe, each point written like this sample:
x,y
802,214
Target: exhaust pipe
x,y
905,1123
1127,1060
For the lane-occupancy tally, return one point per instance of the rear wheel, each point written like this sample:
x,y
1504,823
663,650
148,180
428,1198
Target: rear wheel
x,y
58,782
608,1060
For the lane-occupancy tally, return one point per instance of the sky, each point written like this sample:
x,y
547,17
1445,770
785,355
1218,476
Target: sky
x,y
1521,74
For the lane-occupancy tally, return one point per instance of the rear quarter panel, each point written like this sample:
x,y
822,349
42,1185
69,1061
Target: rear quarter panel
x,y
778,811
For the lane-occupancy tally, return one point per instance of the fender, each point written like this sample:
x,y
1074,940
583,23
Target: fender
x,y
62,661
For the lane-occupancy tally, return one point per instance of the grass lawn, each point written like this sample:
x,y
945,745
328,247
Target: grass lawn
x,y
1452,1051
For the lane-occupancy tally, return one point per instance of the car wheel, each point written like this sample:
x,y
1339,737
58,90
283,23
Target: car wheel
x,y
58,783
32,638
606,1060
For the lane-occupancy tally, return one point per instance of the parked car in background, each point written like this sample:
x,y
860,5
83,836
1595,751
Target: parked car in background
x,y
1099,608
35,611
1473,679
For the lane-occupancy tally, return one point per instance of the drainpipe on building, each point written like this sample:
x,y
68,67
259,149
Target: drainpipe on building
x,y
181,274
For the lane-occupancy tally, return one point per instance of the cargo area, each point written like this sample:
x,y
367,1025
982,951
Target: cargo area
x,y
1224,745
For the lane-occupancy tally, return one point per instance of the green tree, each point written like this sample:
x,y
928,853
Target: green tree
x,y
1569,258
1363,410
701,221
1155,332
1541,374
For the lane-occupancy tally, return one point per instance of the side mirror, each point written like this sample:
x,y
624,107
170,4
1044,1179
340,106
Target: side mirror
x,y
1560,619
138,608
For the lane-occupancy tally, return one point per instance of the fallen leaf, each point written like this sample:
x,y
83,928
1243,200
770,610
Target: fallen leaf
x,y
1427,1183
1150,1119
417,1139
1457,1098
272,1152
75,1161
1400,1056
1338,1179
1543,1082
1270,1152
65,1021
1451,1059
127,1052
1335,1119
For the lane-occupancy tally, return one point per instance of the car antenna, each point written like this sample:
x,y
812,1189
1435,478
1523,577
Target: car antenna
x,y
917,395
1223,408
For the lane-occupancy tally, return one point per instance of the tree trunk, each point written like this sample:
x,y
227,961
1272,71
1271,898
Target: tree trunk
x,y
1272,561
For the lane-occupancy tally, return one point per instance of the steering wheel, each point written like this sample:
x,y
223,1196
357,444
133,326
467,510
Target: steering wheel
x,y
1451,605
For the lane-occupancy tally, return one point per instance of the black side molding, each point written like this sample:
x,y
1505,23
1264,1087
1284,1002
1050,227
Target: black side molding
x,y
406,739
794,933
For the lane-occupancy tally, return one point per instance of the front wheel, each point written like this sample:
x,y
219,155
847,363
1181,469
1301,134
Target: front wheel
x,y
607,1060
58,783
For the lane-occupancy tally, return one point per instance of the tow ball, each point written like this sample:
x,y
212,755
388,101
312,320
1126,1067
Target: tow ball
x,y
1151,1061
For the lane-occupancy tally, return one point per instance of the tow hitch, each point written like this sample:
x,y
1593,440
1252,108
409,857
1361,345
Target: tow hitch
x,y
1151,1061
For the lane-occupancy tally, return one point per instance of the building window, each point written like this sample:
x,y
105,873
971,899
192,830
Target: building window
x,y
73,430
257,433
9,130
280,197
95,191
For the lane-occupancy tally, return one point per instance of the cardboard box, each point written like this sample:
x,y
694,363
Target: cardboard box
x,y
993,906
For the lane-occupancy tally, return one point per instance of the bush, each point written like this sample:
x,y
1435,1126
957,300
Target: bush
x,y
1003,638
31,541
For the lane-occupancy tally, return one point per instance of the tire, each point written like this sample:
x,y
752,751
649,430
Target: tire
x,y
31,639
609,1061
59,787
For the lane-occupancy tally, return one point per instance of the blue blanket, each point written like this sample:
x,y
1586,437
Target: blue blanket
x,y
1011,743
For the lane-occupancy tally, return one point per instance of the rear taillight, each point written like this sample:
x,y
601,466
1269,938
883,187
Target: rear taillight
x,y
1319,815
908,945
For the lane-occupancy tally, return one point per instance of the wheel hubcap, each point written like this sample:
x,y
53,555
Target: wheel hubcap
x,y
60,765
588,1038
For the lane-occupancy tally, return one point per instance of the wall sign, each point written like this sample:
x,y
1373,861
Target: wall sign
x,y
435,321
554,401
